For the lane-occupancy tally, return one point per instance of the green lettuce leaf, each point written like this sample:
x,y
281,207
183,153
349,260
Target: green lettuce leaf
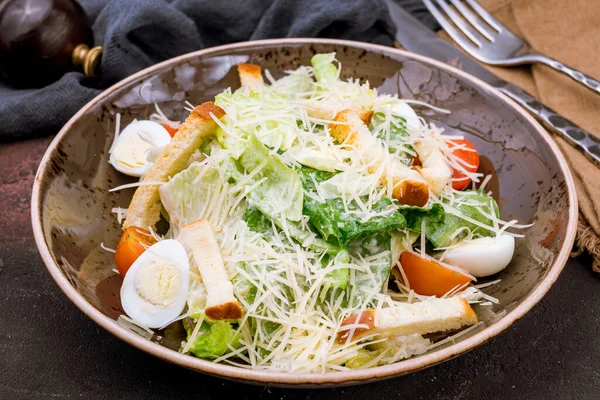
x,y
298,81
441,225
186,194
261,223
338,278
398,131
397,134
325,70
414,215
310,176
281,193
257,222
332,221
235,144
362,357
316,159
376,244
399,346
213,340
278,132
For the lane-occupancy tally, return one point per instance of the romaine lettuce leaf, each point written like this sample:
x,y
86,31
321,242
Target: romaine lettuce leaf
x,y
296,82
331,220
234,143
317,159
346,184
338,278
395,346
261,223
398,131
397,134
333,223
281,193
441,225
310,177
265,114
372,282
362,357
213,340
184,197
325,70
258,222
414,215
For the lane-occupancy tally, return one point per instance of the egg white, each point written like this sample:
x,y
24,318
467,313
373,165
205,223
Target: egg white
x,y
135,135
142,311
483,256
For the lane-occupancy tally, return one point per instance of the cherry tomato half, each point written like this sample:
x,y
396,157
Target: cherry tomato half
x,y
132,244
464,150
172,131
428,277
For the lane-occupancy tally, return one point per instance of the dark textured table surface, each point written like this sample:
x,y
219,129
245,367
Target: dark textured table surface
x,y
50,349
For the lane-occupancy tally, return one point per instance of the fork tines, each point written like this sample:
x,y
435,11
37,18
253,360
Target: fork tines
x,y
474,22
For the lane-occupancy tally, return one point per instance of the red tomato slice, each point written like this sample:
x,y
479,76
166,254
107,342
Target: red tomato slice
x,y
464,150
172,131
132,244
429,278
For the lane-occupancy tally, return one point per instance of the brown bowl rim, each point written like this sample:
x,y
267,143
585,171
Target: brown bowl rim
x,y
299,379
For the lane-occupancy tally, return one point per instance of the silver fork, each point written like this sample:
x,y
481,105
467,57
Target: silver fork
x,y
486,39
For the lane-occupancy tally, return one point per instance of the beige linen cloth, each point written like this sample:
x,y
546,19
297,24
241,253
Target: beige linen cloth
x,y
569,31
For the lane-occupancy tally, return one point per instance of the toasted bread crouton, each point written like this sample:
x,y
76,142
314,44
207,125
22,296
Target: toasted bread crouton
x,y
250,76
199,238
408,186
412,192
231,310
434,168
403,319
349,123
144,209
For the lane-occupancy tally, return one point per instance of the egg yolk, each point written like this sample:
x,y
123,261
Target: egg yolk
x,y
131,150
158,283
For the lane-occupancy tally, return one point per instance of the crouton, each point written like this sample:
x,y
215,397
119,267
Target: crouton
x,y
434,168
199,238
144,209
412,192
403,319
250,76
349,123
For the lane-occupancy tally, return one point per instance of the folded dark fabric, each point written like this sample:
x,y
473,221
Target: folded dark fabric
x,y
137,34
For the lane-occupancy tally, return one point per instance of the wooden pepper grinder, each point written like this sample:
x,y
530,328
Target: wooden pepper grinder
x,y
40,40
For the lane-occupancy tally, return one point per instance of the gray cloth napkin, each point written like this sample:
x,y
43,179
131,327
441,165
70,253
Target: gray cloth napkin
x,y
137,34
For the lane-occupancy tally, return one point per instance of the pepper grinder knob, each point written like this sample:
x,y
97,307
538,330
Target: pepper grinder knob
x,y
88,58
41,40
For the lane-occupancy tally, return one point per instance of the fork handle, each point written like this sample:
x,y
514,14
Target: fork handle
x,y
576,75
574,135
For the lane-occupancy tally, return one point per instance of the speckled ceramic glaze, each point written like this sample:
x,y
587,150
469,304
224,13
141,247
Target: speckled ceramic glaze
x,y
71,205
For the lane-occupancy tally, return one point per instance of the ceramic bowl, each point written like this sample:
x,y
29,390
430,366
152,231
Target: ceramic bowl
x,y
71,205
